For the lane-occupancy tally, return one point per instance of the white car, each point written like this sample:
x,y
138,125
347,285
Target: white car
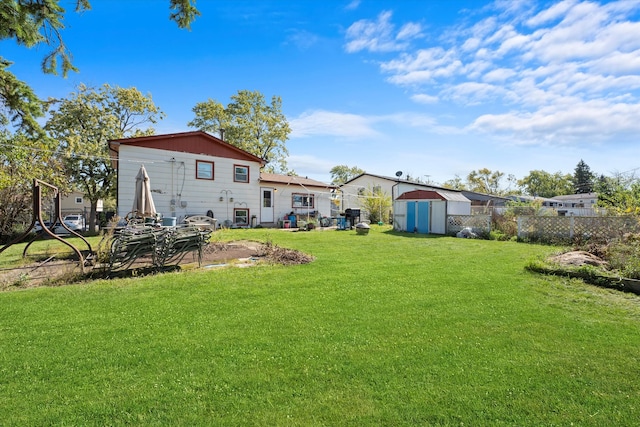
x,y
74,222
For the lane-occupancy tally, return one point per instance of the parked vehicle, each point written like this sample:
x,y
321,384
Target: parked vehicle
x,y
74,222
38,227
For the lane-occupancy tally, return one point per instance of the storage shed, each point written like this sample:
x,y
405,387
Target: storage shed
x,y
425,211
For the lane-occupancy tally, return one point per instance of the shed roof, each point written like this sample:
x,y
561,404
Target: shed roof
x,y
421,195
451,196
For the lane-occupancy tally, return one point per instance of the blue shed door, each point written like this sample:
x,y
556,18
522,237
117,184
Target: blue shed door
x,y
411,217
423,217
418,217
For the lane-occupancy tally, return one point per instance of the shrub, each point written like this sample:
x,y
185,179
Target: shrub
x,y
624,256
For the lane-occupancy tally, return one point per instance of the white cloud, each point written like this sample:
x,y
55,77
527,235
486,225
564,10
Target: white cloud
x,y
330,123
423,67
567,72
499,75
593,120
380,35
617,63
471,44
355,127
303,40
314,167
409,31
407,119
554,12
473,93
353,5
423,98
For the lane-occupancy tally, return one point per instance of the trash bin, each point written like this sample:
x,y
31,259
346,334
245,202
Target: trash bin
x,y
169,221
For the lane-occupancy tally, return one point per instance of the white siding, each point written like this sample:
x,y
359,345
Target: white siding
x,y
458,208
400,215
438,217
350,192
177,192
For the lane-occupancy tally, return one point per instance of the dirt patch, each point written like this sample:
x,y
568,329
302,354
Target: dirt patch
x,y
578,258
53,272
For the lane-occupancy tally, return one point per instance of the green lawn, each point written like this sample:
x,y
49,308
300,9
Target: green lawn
x,y
385,329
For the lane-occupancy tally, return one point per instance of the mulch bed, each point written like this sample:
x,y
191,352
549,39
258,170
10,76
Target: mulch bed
x,y
54,272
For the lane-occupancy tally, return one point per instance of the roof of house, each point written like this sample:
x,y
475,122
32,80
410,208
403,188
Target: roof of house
x,y
397,180
526,198
474,195
195,142
292,180
577,196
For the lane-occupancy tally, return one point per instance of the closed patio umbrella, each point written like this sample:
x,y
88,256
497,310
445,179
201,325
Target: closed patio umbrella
x,y
142,200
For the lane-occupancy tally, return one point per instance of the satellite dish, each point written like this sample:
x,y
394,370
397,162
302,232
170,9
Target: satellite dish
x,y
399,174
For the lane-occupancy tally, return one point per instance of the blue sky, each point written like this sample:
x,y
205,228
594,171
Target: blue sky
x,y
431,88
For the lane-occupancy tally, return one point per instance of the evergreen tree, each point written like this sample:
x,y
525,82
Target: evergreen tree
x,y
583,178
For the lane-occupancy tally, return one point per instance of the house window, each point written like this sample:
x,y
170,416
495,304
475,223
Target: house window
x,y
266,199
302,200
204,170
241,173
241,216
78,200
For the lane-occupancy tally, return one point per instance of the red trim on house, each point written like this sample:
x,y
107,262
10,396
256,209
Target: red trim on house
x,y
196,142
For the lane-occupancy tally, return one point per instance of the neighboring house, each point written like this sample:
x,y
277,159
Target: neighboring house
x,y
77,203
353,191
194,173
425,211
586,200
571,204
544,202
74,203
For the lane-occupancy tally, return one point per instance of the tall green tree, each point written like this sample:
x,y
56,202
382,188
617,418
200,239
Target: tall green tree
x,y
455,184
377,203
343,173
618,194
583,178
86,121
485,181
249,123
24,158
33,23
544,184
